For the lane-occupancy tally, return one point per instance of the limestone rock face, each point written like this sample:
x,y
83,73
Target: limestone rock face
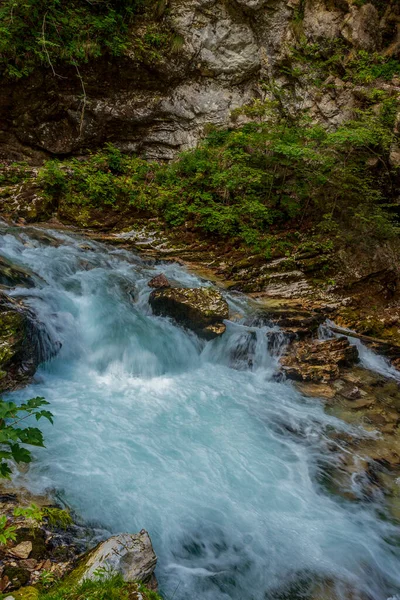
x,y
159,109
131,555
318,361
200,309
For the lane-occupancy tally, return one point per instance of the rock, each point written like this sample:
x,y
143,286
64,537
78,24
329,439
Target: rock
x,y
131,555
20,352
17,576
294,321
29,563
37,539
318,361
22,550
200,309
159,281
161,108
12,275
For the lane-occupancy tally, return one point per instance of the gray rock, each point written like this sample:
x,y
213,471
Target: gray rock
x,y
131,555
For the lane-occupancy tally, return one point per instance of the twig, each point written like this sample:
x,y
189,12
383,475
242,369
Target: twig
x,y
44,44
84,100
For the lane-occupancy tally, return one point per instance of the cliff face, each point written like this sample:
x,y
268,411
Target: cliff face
x,y
232,53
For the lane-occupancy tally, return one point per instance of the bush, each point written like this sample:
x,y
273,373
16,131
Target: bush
x,y
51,32
242,184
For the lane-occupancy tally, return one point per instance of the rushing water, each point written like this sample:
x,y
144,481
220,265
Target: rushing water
x,y
156,429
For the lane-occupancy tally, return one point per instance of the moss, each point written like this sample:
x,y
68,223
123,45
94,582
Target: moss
x,y
26,593
17,575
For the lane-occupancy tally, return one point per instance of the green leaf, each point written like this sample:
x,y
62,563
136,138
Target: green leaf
x,y
20,454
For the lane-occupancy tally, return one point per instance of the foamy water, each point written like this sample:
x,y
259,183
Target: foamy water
x,y
156,429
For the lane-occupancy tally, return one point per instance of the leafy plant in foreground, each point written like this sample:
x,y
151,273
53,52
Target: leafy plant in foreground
x,y
14,438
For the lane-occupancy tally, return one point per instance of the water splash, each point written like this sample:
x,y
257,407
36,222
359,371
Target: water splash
x,y
368,358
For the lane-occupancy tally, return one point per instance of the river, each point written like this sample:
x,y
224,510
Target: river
x,y
156,429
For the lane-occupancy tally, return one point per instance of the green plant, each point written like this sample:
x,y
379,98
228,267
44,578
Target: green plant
x,y
104,587
47,579
13,438
7,532
55,517
51,33
242,184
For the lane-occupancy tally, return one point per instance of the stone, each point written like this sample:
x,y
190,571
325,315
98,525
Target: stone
x,y
17,576
12,274
130,555
200,309
29,563
22,550
318,361
159,281
20,352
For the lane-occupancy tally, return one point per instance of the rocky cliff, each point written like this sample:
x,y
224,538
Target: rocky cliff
x,y
232,52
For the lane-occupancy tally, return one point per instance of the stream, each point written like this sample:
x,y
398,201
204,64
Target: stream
x,y
211,454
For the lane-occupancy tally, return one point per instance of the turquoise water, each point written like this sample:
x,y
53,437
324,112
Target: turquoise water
x,y
156,429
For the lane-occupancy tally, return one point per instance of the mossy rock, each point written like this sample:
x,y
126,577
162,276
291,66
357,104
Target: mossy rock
x,y
38,539
17,576
200,309
26,593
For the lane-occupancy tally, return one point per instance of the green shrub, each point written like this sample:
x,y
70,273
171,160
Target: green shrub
x,y
52,32
241,184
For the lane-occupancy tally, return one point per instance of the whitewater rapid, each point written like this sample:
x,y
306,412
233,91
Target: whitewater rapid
x,y
156,429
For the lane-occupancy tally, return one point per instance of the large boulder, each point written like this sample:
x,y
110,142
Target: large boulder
x,y
200,309
130,555
318,361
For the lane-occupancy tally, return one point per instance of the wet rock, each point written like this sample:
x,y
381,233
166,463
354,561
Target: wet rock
x,y
12,275
159,281
318,361
294,322
131,555
200,309
20,352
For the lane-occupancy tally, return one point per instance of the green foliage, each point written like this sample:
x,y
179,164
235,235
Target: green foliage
x,y
72,32
13,438
334,57
14,173
366,67
105,587
242,184
55,517
7,532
